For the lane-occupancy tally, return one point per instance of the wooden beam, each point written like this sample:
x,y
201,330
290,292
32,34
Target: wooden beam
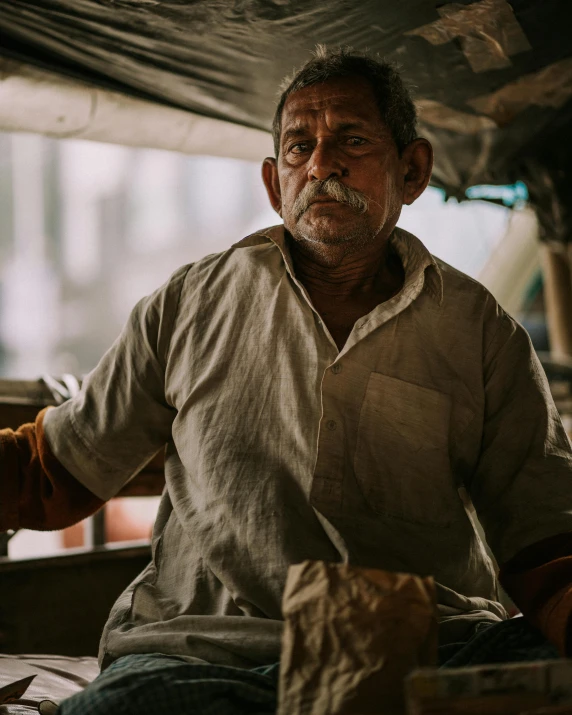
x,y
558,299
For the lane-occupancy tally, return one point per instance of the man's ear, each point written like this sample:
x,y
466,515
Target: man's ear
x,y
270,178
417,158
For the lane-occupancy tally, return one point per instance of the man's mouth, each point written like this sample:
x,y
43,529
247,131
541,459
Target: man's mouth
x,y
324,200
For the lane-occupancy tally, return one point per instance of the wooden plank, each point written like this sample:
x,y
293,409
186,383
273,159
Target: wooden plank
x,y
34,392
14,414
72,558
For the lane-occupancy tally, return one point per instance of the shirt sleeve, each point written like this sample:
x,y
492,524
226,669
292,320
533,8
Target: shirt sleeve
x,y
121,418
522,486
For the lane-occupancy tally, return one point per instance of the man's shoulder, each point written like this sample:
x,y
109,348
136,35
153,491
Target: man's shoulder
x,y
457,284
443,277
263,237
238,264
243,251
455,277
467,298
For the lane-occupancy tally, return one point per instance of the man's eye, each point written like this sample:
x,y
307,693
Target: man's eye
x,y
299,148
355,141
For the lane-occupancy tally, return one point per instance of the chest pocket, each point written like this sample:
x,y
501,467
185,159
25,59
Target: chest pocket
x,y
402,462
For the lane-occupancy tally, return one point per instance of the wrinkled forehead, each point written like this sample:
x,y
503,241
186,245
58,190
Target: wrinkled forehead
x,y
340,101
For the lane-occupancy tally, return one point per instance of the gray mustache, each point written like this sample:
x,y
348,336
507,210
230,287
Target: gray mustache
x,y
334,189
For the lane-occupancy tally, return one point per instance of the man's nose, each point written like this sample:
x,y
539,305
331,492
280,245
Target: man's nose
x,y
325,163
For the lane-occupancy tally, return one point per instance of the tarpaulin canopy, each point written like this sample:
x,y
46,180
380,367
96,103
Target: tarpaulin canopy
x,y
492,78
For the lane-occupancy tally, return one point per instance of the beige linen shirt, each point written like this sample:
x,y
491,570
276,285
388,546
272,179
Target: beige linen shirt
x,y
280,447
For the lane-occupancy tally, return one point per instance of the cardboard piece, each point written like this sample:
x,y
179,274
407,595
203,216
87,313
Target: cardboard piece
x,y
535,688
13,691
351,636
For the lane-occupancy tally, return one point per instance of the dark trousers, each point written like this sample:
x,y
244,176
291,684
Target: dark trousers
x,y
167,685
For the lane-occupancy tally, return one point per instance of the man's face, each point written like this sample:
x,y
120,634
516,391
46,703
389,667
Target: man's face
x,y
339,172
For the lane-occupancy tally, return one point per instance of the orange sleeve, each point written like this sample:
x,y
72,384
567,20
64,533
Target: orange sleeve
x,y
36,491
539,581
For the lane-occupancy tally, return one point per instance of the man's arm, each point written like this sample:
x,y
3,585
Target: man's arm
x,y
539,581
522,487
36,491
80,454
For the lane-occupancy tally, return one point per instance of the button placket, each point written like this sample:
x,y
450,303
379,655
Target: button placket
x,y
326,493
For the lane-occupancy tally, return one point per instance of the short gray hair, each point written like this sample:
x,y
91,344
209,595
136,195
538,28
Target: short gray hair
x,y
393,98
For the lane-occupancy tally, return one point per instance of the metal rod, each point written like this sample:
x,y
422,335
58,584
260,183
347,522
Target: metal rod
x,y
4,541
95,529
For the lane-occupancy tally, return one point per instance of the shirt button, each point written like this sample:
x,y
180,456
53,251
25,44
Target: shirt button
x,y
337,368
331,425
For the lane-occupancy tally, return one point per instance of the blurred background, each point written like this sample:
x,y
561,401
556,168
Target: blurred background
x,y
86,229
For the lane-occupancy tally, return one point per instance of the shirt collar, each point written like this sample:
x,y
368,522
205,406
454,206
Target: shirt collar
x,y
416,259
414,256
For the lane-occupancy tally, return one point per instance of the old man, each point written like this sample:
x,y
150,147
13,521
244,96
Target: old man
x,y
327,390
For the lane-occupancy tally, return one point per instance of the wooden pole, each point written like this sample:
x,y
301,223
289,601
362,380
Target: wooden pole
x,y
557,299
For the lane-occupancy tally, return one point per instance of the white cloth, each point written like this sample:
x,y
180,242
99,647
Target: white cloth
x,y
56,677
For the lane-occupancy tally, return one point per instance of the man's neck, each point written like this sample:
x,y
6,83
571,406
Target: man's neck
x,y
345,287
338,271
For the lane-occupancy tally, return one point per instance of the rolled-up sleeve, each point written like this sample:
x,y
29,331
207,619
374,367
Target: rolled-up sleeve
x,y
121,418
522,487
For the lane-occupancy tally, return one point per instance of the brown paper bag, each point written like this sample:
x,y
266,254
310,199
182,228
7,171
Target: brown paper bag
x,y
351,636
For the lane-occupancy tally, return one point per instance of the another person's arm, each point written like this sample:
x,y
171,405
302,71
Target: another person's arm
x,y
36,491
